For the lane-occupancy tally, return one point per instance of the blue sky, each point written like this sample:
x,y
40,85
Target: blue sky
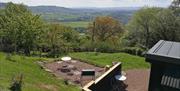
x,y
94,3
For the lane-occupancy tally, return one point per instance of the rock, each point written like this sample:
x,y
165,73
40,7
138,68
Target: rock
x,y
59,62
73,61
48,70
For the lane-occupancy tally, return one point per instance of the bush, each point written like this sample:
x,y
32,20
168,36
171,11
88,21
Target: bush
x,y
103,47
106,47
16,83
9,57
134,50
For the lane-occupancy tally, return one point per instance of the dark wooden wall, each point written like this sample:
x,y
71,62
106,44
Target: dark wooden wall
x,y
157,72
105,83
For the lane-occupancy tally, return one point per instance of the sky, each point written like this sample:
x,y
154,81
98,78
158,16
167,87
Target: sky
x,y
94,3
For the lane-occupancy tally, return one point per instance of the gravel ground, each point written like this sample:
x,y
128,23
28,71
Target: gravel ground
x,y
137,80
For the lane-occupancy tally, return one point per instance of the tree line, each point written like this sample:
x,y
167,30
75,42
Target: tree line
x,y
149,25
21,31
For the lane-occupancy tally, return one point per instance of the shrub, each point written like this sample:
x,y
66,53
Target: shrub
x,y
134,50
16,84
9,57
103,47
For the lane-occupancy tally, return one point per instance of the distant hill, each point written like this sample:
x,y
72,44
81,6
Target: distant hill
x,y
62,14
49,9
2,5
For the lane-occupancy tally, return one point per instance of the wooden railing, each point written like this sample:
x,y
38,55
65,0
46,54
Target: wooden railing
x,y
102,83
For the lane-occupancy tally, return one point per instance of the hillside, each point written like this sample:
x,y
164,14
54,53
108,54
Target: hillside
x,y
2,5
62,14
35,78
49,9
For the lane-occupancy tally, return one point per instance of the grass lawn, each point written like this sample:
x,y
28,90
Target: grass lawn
x,y
35,79
83,24
102,59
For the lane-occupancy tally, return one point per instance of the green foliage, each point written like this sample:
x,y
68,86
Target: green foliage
x,y
150,25
166,27
103,47
106,47
133,50
60,39
103,59
105,34
21,29
140,25
23,32
175,6
104,28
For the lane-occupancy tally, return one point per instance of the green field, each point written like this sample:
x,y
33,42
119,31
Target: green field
x,y
57,16
60,17
35,78
83,24
102,59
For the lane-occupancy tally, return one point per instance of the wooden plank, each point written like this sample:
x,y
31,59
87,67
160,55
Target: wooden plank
x,y
178,84
163,80
86,87
168,81
107,72
171,82
175,82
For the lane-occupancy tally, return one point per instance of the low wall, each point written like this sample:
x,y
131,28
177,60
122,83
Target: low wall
x,y
103,83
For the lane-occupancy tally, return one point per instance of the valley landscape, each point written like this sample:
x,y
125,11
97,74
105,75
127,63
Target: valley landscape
x,y
48,47
79,18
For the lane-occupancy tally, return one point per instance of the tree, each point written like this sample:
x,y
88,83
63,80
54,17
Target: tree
x,y
20,27
54,39
140,25
61,39
175,6
150,25
104,28
166,26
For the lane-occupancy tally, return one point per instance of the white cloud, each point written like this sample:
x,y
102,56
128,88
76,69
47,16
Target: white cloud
x,y
94,3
